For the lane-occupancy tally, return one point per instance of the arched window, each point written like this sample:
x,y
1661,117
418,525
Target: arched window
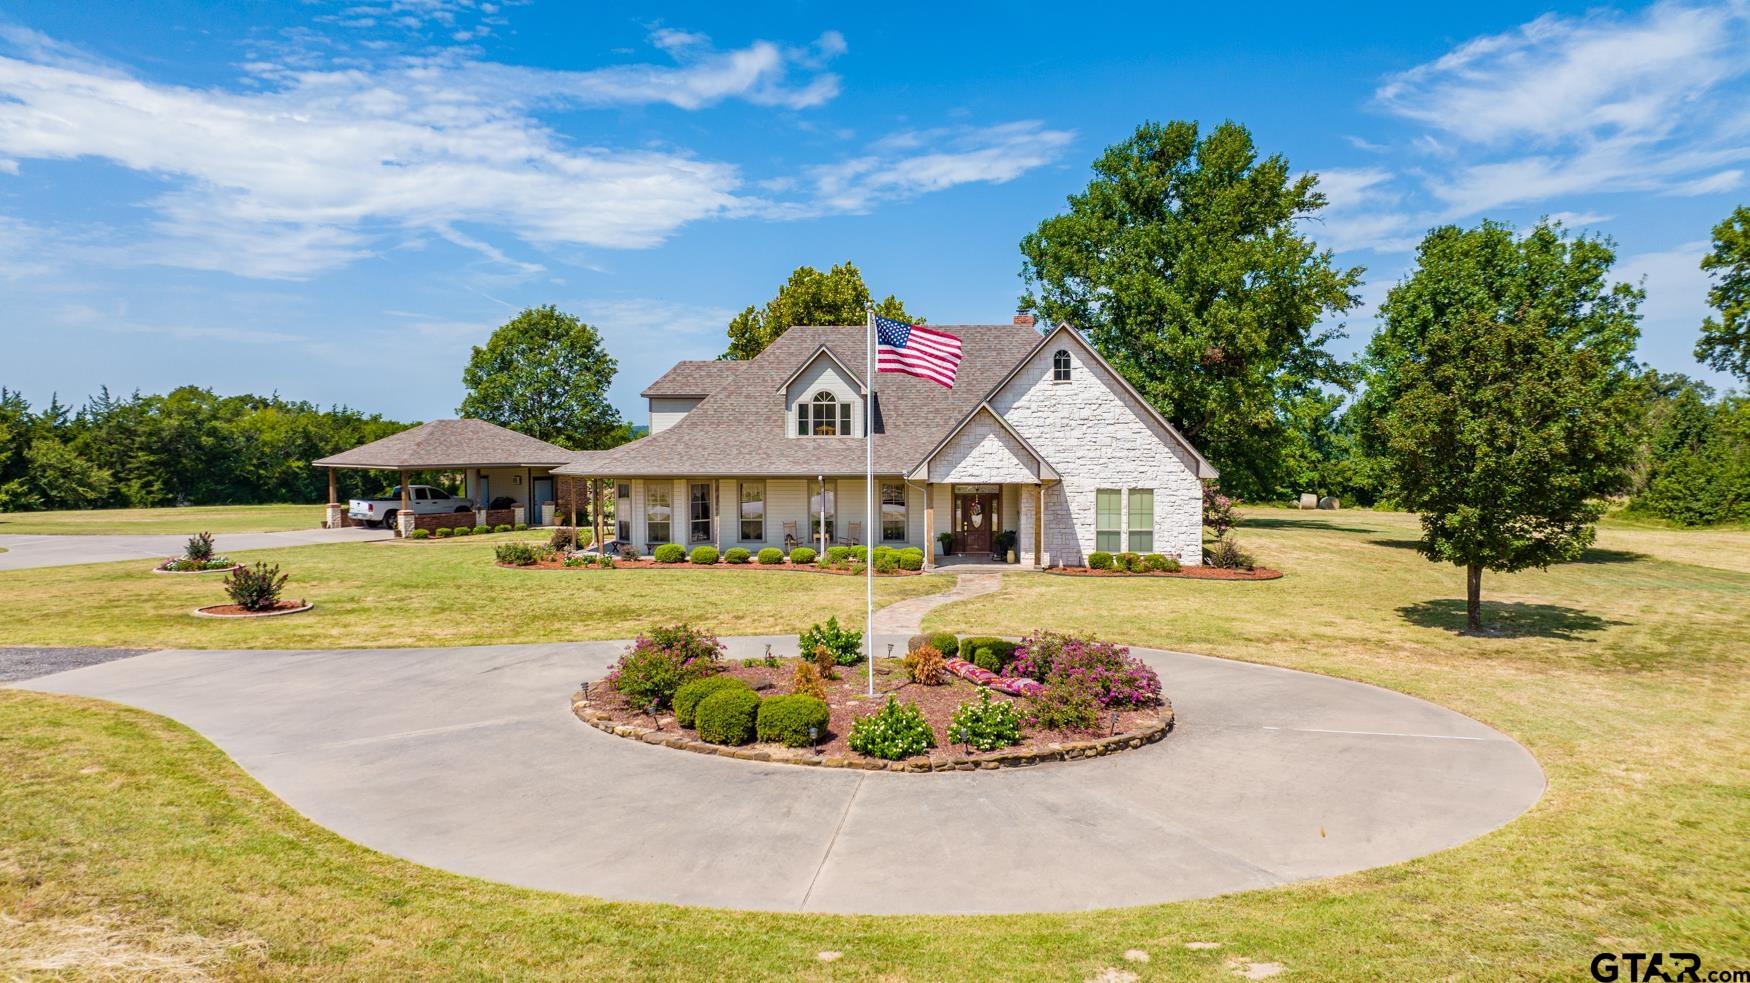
x,y
1060,366
823,416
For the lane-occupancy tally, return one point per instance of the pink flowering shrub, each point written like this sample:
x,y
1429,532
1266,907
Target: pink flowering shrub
x,y
1218,510
1101,671
663,660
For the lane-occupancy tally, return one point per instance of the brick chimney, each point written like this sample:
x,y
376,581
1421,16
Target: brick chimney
x,y
1024,319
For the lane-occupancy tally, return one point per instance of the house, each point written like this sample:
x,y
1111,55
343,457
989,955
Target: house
x,y
1039,437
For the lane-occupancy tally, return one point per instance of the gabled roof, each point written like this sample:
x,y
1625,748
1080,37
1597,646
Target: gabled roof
x,y
451,444
740,428
850,373
922,471
693,378
1204,468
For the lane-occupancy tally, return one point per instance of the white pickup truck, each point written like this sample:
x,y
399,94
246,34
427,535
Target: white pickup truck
x,y
426,501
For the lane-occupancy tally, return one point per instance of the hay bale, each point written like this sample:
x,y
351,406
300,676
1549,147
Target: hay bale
x,y
1309,501
1330,502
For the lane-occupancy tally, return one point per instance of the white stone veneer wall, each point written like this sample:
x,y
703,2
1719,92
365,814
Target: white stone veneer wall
x,y
1096,436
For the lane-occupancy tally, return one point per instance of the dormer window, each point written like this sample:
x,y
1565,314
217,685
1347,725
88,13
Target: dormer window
x,y
823,416
1060,366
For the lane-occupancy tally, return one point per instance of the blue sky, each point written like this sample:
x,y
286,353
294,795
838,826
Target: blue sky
x,y
335,200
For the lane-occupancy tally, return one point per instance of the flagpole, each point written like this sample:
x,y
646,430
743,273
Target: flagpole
x,y
869,492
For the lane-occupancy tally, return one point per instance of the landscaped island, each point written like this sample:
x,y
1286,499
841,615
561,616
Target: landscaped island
x,y
990,703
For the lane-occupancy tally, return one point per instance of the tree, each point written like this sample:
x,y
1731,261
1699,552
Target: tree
x,y
1183,263
810,297
1502,430
1725,343
545,373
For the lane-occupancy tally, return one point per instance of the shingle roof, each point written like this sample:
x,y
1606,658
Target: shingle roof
x,y
740,427
693,378
451,444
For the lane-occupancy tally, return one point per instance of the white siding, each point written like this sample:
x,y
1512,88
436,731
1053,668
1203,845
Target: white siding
x,y
822,373
666,411
1096,436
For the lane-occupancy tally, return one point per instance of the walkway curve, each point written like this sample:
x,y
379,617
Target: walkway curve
x,y
468,759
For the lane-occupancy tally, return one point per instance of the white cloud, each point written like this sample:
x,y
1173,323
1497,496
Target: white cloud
x,y
1607,103
1713,184
908,164
1362,211
1578,220
289,182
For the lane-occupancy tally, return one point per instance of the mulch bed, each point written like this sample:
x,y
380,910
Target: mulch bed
x,y
234,611
648,564
163,567
847,700
1185,573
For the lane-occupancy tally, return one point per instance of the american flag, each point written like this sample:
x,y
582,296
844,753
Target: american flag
x,y
915,350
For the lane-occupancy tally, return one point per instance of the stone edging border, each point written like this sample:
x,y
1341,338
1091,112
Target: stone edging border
x,y
204,613
1260,575
621,565
1069,751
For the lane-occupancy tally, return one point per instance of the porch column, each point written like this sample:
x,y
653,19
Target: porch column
x,y
1039,525
595,510
332,491
406,499
571,486
929,527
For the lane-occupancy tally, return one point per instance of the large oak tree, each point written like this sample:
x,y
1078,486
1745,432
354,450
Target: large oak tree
x,y
1505,396
1725,342
1186,264
837,296
545,373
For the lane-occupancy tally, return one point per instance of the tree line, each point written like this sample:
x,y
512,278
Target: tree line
x,y
188,446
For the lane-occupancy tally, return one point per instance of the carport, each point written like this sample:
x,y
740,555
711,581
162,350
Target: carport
x,y
495,463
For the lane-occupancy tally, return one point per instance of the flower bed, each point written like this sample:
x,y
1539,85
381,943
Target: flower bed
x,y
1184,573
177,564
1084,699
238,611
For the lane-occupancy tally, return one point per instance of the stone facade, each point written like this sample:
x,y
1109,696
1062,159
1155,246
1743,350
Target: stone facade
x,y
1096,435
984,452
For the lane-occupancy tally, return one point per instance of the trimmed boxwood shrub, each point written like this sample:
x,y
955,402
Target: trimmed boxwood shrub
x,y
703,555
669,553
771,555
860,554
893,733
837,554
1156,563
886,563
911,561
522,527
689,696
516,554
786,719
1128,562
1099,560
443,532
501,527
736,554
419,534
727,716
482,530
946,642
1002,651
462,531
801,556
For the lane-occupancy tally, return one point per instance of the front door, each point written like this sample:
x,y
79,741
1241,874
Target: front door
x,y
976,514
543,493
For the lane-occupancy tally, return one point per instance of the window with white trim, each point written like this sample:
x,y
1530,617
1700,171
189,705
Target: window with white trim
x,y
699,512
823,416
1060,366
893,512
753,511
1142,520
658,512
1108,516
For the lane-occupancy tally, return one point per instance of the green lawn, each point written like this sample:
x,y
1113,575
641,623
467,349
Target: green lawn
x,y
404,593
128,842
184,521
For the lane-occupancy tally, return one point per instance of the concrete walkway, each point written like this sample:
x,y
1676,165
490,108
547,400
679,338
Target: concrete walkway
x,y
469,760
24,552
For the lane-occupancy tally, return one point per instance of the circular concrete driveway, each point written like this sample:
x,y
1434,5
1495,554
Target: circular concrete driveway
x,y
469,759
